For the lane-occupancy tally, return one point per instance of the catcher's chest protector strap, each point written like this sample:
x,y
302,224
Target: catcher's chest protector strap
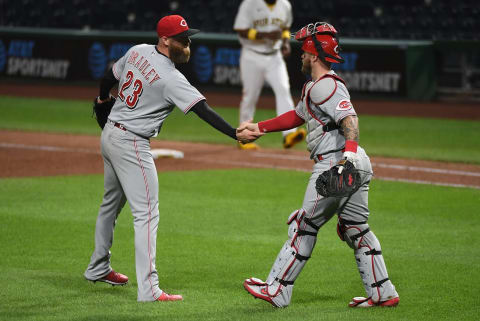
x,y
330,126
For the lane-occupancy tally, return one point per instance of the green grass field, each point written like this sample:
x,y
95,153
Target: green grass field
x,y
209,242
422,138
208,245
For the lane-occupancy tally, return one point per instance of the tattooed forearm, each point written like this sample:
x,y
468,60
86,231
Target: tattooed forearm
x,y
350,128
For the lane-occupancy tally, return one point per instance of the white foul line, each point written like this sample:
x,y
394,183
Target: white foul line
x,y
383,178
382,165
279,156
49,148
404,180
426,169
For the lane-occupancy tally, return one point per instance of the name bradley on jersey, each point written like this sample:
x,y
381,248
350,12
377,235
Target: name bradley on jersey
x,y
143,65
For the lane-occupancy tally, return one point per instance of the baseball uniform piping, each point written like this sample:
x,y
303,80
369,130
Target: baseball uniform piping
x,y
115,72
193,104
149,215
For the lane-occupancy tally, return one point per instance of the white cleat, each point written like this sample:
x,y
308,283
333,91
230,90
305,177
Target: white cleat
x,y
361,302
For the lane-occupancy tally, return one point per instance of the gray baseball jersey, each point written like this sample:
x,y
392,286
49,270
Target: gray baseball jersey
x,y
150,87
324,101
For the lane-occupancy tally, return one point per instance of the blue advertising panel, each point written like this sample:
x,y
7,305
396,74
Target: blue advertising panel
x,y
49,56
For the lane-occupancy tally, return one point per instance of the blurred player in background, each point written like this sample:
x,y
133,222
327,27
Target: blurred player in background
x,y
263,29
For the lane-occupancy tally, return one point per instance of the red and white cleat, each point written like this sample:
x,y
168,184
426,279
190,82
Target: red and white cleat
x,y
113,278
361,302
169,297
258,289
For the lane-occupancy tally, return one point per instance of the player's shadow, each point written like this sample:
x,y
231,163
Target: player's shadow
x,y
78,285
309,297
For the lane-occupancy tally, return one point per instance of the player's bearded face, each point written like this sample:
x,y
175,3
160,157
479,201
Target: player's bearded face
x,y
179,50
306,64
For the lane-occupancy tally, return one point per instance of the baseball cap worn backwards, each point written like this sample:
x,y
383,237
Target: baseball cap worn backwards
x,y
174,25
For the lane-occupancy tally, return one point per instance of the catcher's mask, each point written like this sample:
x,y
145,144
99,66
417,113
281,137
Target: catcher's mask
x,y
320,39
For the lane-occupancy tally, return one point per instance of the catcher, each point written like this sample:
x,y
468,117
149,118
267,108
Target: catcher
x,y
339,181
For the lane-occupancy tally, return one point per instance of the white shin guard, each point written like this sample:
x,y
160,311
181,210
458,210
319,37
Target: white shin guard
x,y
292,257
370,263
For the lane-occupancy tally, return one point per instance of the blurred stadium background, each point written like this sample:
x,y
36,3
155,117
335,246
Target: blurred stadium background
x,y
433,45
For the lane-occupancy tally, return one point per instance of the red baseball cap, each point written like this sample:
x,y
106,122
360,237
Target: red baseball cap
x,y
174,25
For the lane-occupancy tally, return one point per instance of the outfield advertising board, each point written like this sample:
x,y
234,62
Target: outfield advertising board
x,y
368,69
218,65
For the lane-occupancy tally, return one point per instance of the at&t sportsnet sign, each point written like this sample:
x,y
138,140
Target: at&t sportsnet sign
x,y
57,59
363,76
217,65
17,59
378,69
100,57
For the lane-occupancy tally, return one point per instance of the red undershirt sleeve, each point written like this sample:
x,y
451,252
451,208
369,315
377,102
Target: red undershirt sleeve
x,y
285,121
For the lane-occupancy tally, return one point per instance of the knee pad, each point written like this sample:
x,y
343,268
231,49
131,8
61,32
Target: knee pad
x,y
294,253
352,232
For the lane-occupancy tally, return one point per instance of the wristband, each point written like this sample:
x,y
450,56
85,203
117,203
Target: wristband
x,y
252,34
261,127
351,146
286,34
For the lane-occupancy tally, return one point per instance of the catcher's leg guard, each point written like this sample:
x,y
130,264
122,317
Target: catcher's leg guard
x,y
370,263
290,261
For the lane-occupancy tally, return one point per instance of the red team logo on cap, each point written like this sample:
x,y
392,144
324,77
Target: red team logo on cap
x,y
344,105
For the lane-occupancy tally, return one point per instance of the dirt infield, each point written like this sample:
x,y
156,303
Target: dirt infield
x,y
40,154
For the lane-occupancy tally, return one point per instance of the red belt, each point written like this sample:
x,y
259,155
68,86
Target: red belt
x,y
320,156
118,125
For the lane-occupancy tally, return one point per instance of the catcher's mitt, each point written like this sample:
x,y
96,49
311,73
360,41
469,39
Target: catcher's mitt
x,y
101,111
331,183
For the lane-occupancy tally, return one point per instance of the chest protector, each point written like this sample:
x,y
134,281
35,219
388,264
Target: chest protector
x,y
318,122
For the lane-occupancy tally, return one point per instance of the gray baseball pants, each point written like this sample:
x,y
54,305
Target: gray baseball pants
x,y
305,223
129,174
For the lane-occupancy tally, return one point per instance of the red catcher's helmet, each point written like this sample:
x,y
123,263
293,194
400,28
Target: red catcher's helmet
x,y
320,39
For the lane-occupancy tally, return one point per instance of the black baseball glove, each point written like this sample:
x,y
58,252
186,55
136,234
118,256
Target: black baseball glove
x,y
101,111
337,181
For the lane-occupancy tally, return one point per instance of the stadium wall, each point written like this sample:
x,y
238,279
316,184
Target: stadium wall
x,y
375,68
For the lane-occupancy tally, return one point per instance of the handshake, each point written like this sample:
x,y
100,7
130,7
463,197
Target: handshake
x,y
248,132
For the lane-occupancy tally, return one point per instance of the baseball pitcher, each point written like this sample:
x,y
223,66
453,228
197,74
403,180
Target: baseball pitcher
x,y
149,88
